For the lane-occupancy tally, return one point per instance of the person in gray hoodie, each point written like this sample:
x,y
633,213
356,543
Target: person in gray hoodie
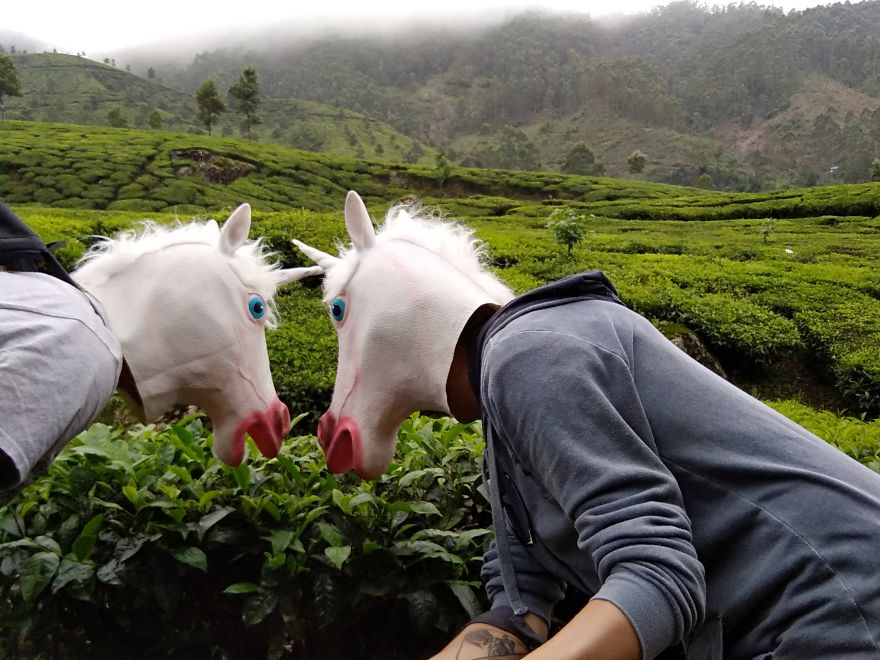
x,y
628,471
691,514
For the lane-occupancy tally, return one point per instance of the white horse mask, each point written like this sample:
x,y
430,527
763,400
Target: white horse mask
x,y
399,301
190,306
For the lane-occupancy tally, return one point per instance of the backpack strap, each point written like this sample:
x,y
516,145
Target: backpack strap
x,y
22,250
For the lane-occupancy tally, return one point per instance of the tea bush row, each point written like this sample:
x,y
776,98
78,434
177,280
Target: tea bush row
x,y
754,311
59,164
141,544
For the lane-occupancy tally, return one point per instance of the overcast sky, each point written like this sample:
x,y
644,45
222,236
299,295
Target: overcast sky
x,y
106,25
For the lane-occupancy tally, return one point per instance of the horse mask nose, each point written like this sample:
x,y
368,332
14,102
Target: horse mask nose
x,y
341,442
268,428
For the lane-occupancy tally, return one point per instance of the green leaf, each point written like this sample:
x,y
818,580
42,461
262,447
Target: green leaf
x,y
207,521
422,610
205,499
191,556
269,507
296,420
131,494
415,507
280,540
183,433
128,547
74,573
242,475
241,588
326,597
426,508
361,498
338,555
85,542
258,607
81,480
109,573
342,500
181,473
467,598
48,543
410,477
331,534
36,573
291,468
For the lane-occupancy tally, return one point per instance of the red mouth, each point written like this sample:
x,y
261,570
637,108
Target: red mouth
x,y
340,441
267,428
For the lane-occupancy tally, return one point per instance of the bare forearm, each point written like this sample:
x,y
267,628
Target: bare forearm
x,y
600,631
480,641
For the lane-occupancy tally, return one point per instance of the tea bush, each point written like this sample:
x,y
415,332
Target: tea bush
x,y
141,544
820,296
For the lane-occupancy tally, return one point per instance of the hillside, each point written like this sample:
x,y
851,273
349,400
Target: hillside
x,y
778,285
729,92
65,88
145,170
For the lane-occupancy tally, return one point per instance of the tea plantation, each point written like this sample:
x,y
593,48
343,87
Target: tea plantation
x,y
138,541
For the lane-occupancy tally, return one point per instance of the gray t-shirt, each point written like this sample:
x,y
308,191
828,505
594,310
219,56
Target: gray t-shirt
x,y
59,366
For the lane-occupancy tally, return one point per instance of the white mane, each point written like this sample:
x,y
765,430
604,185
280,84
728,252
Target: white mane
x,y
111,255
449,240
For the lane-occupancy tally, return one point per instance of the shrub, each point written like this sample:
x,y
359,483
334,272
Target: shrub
x,y
141,544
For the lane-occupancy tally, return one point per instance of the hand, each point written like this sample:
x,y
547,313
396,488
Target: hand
x,y
480,641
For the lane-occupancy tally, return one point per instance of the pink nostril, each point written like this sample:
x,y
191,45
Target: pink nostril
x,y
325,429
342,444
282,418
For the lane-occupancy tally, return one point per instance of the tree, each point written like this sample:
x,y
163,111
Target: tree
x,y
246,97
210,104
767,227
636,162
567,226
515,150
116,118
415,152
9,84
875,170
581,160
444,167
703,181
154,120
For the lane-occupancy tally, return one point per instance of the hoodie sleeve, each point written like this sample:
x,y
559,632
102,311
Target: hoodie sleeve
x,y
571,410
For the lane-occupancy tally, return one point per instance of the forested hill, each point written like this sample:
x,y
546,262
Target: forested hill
x,y
742,97
72,89
748,95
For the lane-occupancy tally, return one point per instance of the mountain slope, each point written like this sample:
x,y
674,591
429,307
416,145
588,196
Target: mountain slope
x,y
684,68
66,88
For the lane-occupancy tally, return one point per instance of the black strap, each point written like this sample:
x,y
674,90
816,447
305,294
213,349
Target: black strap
x,y
22,250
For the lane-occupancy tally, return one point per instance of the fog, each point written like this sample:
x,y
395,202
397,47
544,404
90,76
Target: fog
x,y
176,30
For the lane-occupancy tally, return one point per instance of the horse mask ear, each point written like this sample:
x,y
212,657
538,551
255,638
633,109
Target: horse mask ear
x,y
235,229
358,223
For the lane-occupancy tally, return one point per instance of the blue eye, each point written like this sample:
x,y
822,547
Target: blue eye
x,y
257,307
337,309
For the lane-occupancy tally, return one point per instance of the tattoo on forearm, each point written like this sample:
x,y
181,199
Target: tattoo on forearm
x,y
498,646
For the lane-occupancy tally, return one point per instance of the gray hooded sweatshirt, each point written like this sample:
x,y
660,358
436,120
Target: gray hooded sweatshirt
x,y
627,470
